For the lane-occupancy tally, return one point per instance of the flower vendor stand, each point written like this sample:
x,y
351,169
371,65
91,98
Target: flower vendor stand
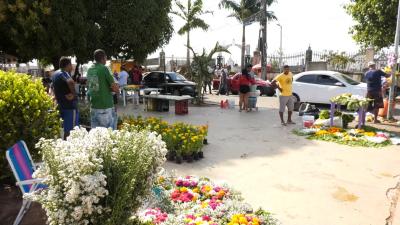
x,y
362,112
353,103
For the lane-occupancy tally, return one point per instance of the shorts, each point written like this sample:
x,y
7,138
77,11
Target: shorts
x,y
70,119
244,89
286,101
102,118
378,100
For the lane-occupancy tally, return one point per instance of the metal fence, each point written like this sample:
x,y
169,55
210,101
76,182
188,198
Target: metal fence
x,y
355,62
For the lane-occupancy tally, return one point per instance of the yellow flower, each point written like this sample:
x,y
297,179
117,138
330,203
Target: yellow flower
x,y
243,220
321,132
183,189
370,134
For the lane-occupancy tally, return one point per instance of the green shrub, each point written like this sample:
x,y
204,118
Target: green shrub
x,y
27,113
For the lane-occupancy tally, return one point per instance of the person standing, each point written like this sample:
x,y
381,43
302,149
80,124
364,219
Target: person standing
x,y
223,83
101,85
373,78
245,80
285,81
123,77
63,88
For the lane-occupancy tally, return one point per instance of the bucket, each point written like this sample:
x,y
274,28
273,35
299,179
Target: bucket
x,y
308,121
231,103
383,111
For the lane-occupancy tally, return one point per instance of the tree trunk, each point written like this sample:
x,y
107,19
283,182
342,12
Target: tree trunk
x,y
243,45
188,54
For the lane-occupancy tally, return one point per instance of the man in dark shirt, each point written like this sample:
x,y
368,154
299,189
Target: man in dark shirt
x,y
64,91
374,88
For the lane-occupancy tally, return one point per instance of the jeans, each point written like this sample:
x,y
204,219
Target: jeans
x,y
70,119
102,118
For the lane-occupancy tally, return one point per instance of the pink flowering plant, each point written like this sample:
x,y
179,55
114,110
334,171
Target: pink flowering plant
x,y
200,201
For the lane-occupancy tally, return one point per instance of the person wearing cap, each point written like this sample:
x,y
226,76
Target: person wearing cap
x,y
373,78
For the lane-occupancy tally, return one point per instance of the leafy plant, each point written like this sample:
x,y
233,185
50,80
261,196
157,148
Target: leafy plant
x,y
98,177
27,113
200,67
180,138
324,114
84,113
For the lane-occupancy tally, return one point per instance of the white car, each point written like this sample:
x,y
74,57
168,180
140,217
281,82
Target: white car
x,y
320,86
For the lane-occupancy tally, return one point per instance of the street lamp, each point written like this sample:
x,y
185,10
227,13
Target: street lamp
x,y
280,48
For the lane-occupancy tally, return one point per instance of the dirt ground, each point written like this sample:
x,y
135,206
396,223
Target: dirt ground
x,y
299,181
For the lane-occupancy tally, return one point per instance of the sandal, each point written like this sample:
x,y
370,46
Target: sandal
x,y
283,123
291,122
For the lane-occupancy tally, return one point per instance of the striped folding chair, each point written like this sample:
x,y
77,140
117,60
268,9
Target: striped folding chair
x,y
23,167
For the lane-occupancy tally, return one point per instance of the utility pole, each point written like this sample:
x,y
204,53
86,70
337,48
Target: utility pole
x,y
394,67
263,49
280,49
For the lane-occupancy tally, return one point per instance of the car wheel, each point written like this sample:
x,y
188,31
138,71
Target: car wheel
x,y
297,102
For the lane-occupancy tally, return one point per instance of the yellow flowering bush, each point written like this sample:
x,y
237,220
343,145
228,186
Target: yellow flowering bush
x,y
182,139
27,113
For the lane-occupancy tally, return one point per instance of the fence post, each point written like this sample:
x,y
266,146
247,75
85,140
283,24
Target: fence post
x,y
308,56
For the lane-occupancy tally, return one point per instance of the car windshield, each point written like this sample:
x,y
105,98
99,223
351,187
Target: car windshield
x,y
176,76
348,79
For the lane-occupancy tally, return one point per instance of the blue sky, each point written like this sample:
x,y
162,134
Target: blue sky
x,y
323,24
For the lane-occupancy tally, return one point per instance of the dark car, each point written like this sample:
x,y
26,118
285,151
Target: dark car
x,y
169,83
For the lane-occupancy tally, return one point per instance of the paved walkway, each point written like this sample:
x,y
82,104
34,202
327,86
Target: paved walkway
x,y
302,182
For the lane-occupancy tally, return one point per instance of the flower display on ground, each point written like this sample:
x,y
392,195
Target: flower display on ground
x,y
200,201
368,137
97,177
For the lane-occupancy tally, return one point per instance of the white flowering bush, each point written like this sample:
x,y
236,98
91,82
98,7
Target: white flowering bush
x,y
97,177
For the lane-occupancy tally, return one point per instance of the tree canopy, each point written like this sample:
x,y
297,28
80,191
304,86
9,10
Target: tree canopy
x,y
245,8
375,22
48,29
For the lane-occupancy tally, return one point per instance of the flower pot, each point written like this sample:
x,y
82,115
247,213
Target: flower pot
x,y
189,159
196,156
171,156
185,157
201,155
205,141
178,159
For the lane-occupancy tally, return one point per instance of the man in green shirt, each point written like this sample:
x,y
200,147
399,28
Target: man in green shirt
x,y
101,85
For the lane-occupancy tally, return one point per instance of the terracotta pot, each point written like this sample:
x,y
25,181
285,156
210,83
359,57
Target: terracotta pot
x,y
171,156
178,159
201,155
196,156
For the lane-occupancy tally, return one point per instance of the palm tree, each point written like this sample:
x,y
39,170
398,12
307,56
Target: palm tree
x,y
201,65
242,11
190,15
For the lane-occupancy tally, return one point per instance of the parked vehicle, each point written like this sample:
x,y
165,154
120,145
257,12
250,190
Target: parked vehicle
x,y
263,86
169,83
320,86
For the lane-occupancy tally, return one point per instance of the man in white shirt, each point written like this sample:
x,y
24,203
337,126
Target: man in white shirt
x,y
123,77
